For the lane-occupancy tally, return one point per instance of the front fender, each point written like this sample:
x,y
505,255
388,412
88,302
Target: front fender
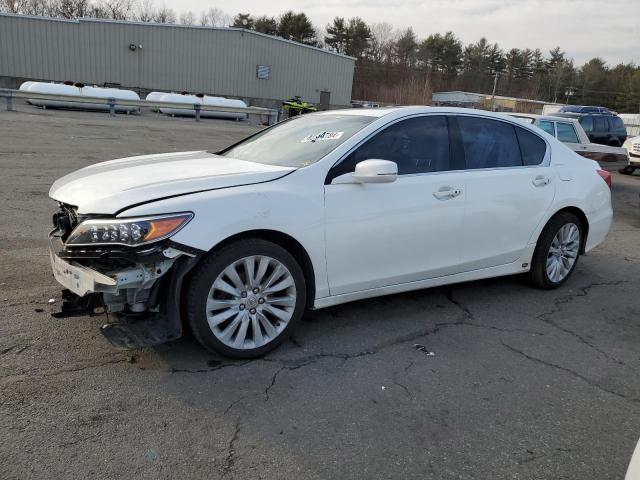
x,y
293,205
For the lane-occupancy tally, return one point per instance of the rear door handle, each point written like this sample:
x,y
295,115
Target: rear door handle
x,y
447,193
541,181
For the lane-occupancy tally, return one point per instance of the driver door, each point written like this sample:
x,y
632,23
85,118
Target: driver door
x,y
380,235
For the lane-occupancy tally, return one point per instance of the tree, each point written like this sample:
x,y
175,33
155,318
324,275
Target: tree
x,y
406,48
297,27
145,11
382,41
441,54
214,17
267,25
116,9
187,18
242,20
358,37
337,35
164,15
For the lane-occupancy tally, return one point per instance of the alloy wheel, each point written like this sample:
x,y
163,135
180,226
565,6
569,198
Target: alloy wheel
x,y
563,252
251,302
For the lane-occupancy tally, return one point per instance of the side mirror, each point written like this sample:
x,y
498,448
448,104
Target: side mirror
x,y
376,171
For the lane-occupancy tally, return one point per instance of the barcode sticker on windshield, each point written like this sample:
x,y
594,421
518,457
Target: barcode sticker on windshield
x,y
317,137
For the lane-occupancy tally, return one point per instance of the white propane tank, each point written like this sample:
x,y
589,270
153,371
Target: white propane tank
x,y
155,97
109,93
55,89
191,100
62,89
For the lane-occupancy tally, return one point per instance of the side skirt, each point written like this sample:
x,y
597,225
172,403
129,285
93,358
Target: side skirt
x,y
501,270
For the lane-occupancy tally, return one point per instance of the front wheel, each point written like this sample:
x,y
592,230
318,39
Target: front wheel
x,y
556,254
244,299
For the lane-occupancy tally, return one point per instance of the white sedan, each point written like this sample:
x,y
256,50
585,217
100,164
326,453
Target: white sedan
x,y
316,211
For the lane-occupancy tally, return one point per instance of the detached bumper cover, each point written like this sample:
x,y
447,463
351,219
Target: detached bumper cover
x,y
77,278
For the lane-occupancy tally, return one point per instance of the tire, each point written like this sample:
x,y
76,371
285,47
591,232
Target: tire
x,y
230,317
542,260
628,170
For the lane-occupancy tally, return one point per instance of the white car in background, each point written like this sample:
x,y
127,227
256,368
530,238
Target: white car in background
x,y
316,211
570,132
632,146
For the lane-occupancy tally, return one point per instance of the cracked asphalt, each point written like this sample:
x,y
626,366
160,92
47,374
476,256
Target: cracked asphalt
x,y
483,380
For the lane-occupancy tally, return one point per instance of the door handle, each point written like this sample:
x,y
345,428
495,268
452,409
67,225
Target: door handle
x,y
446,193
541,181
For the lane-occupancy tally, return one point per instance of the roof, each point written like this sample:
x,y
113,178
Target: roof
x,y
174,25
498,97
551,118
417,109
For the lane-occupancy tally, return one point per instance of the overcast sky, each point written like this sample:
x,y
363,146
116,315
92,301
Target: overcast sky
x,y
584,29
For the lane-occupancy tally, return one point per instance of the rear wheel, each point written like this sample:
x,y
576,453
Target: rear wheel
x,y
557,252
245,299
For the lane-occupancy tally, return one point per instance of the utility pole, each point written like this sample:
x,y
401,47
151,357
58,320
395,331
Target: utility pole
x,y
493,93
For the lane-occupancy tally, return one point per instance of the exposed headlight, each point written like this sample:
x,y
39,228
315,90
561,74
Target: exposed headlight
x,y
127,231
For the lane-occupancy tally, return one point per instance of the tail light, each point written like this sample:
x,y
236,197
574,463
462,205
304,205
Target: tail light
x,y
606,176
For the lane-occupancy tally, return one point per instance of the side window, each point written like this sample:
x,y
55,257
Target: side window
x,y
489,143
587,123
547,127
566,133
616,123
600,124
532,147
417,145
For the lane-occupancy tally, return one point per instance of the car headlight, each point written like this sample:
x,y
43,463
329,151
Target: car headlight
x,y
127,231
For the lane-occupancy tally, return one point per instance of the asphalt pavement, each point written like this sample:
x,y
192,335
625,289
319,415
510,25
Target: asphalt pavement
x,y
483,380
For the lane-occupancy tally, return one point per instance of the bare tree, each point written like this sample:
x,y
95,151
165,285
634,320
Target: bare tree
x,y
145,12
187,18
117,9
12,6
71,8
45,8
165,15
383,36
215,17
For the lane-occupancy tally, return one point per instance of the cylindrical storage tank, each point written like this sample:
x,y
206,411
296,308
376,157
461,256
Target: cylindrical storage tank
x,y
155,97
25,85
191,100
108,93
54,89
188,100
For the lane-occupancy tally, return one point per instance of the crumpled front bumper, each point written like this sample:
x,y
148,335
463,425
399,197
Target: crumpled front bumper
x,y
77,278
88,291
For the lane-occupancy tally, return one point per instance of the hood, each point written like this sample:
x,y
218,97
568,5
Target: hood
x,y
108,187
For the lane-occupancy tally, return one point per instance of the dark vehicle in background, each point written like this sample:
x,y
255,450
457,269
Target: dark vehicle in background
x,y
584,109
603,128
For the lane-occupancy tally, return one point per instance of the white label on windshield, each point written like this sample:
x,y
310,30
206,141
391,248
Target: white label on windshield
x,y
322,136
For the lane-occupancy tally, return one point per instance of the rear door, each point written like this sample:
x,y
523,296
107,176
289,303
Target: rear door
x,y
509,187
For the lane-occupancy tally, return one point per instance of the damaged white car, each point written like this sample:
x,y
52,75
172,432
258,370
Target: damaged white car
x,y
315,211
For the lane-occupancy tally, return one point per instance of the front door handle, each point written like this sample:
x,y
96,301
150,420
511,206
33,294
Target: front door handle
x,y
541,181
447,193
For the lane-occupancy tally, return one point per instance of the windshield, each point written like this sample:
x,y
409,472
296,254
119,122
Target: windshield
x,y
300,141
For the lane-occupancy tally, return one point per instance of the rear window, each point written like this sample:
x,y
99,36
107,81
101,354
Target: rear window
x,y
532,147
587,123
616,123
600,124
489,143
566,133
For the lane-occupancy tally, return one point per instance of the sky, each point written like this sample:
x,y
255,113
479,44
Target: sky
x,y
582,28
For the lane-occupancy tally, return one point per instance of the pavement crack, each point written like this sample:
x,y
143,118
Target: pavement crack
x,y
571,372
557,307
403,387
211,369
230,459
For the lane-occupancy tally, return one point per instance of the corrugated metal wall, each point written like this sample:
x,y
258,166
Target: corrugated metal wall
x,y
196,59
